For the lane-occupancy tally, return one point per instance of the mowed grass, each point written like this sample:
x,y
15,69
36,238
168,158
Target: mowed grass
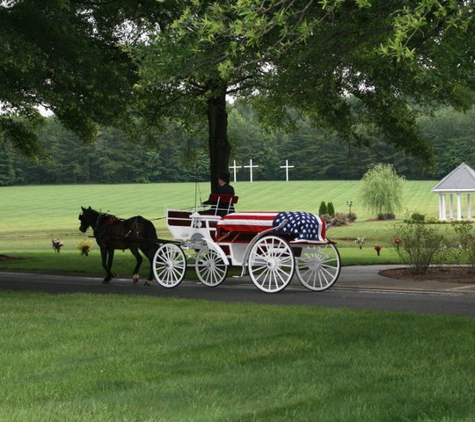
x,y
32,215
84,357
54,209
115,358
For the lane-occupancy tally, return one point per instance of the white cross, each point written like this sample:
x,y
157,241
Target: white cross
x,y
286,167
234,167
250,167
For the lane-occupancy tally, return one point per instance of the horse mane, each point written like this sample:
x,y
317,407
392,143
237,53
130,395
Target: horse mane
x,y
102,216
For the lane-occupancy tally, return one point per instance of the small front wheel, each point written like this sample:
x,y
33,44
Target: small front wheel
x,y
271,264
210,267
318,266
169,265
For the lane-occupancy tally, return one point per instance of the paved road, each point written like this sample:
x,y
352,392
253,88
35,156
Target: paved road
x,y
357,288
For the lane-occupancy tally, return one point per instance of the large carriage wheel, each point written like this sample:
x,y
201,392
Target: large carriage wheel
x,y
318,266
169,265
210,267
271,264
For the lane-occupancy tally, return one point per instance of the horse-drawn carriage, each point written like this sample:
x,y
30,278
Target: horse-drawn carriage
x,y
271,247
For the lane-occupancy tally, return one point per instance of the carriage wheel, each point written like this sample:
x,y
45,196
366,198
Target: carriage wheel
x,y
210,267
169,265
271,264
318,266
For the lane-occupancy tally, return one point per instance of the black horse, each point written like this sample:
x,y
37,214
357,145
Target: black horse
x,y
136,233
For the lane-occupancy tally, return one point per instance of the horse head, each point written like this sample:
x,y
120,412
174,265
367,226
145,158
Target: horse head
x,y
88,218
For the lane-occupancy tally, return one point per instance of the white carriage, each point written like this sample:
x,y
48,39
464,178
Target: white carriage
x,y
264,244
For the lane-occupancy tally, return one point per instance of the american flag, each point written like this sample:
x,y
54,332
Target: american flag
x,y
300,225
248,222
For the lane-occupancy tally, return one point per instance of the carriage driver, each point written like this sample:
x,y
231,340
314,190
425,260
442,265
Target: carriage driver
x,y
224,188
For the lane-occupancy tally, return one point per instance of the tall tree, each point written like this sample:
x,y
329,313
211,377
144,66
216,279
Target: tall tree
x,y
344,63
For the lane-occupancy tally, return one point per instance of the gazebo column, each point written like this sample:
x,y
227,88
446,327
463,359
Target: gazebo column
x,y
459,206
469,206
451,206
443,207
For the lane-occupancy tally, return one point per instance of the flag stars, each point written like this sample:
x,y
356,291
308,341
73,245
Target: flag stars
x,y
302,225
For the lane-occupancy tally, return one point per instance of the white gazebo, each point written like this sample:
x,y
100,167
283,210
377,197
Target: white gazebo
x,y
460,182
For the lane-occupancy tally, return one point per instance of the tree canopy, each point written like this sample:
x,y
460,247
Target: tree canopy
x,y
68,57
344,63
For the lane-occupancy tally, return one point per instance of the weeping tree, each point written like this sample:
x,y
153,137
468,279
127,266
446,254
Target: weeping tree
x,y
381,190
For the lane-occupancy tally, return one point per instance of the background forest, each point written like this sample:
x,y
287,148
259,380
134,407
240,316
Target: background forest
x,y
181,153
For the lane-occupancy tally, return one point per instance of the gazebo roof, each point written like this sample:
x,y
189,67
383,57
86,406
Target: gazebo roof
x,y
462,179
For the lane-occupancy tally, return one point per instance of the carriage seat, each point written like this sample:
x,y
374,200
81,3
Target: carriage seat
x,y
222,204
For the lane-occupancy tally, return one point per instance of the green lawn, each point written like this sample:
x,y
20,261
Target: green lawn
x,y
33,215
108,358
81,357
54,209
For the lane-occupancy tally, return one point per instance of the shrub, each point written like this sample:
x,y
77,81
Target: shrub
x,y
331,209
416,216
387,216
339,219
421,244
463,247
323,210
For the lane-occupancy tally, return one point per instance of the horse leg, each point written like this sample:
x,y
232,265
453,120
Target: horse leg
x,y
139,259
149,252
107,259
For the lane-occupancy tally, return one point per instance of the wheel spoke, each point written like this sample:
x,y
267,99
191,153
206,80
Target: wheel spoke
x,y
318,267
210,267
169,265
271,264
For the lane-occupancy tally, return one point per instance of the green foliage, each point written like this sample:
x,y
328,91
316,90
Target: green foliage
x,y
63,56
463,245
417,217
140,66
181,154
331,209
381,190
323,209
421,244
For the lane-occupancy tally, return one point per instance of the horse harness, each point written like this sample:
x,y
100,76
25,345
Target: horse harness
x,y
111,220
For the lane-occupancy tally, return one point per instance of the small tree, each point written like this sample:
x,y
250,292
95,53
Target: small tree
x,y
463,247
381,190
323,210
331,209
419,244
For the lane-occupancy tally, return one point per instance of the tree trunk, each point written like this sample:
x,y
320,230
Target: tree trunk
x,y
219,147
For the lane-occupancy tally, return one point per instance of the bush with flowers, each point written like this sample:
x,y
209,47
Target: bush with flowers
x,y
85,247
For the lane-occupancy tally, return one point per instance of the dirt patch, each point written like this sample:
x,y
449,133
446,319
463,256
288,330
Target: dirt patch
x,y
463,275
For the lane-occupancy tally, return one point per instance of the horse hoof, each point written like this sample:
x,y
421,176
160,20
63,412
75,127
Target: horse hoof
x,y
147,283
105,281
135,278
